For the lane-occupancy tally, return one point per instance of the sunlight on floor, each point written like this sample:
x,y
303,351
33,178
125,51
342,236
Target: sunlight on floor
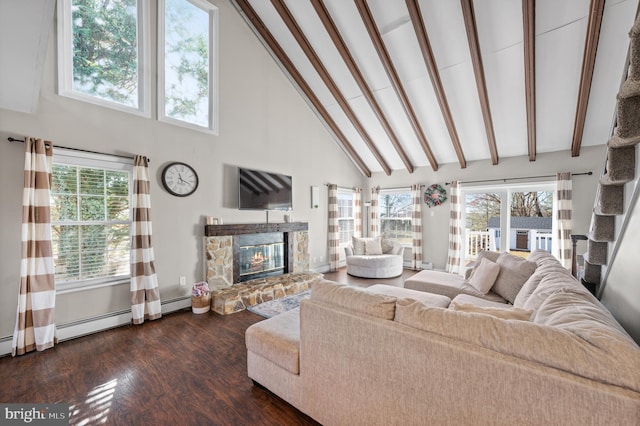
x,y
95,409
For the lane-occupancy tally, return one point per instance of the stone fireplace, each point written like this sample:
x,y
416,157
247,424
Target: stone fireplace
x,y
242,252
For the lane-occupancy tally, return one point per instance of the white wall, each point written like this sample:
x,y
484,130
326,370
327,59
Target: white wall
x,y
264,124
435,220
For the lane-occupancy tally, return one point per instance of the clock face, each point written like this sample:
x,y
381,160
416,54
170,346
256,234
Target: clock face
x,y
180,179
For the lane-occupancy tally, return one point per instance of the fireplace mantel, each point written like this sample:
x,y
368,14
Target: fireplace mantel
x,y
253,228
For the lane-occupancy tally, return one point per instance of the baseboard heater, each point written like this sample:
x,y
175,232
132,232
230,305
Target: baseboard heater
x,y
83,327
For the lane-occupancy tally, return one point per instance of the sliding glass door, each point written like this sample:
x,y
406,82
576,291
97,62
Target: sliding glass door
x,y
512,218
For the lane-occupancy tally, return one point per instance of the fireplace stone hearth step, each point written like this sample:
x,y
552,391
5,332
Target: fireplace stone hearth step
x,y
237,297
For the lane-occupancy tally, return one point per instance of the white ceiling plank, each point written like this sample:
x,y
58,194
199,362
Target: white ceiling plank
x,y
558,62
612,52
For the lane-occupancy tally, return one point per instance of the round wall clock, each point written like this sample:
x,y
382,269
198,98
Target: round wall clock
x,y
179,179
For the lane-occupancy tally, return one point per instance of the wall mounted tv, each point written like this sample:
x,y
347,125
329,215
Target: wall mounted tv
x,y
259,190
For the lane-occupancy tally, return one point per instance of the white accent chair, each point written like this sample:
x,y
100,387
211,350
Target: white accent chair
x,y
389,264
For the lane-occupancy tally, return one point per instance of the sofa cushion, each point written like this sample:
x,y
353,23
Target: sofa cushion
x,y
550,283
484,276
446,284
428,299
514,272
504,312
354,298
277,339
479,301
550,346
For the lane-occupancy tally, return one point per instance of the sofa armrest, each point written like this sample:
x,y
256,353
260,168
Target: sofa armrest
x,y
348,250
397,249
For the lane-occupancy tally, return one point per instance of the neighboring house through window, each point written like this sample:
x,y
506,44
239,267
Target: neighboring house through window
x,y
394,210
104,57
90,220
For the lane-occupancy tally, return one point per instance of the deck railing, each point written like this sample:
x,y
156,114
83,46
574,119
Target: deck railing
x,y
486,240
477,241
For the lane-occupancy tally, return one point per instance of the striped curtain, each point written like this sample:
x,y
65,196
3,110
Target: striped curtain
x,y
35,318
563,201
357,211
416,226
455,229
145,296
374,225
334,227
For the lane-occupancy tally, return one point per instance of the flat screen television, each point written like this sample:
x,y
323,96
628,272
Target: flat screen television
x,y
260,190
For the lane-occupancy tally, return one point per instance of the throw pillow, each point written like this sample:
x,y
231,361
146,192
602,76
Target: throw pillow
x,y
485,275
514,272
358,245
387,245
483,254
372,246
512,313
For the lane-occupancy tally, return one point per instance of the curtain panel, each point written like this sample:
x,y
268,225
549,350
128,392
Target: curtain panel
x,y
374,225
334,227
416,226
357,211
455,229
145,296
35,316
564,212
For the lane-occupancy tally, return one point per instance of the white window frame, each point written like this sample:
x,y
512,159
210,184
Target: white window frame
x,y
102,161
505,192
65,61
350,192
213,68
393,191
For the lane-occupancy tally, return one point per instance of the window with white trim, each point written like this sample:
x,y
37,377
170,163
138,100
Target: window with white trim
x,y
346,216
104,58
90,220
187,54
394,211
103,51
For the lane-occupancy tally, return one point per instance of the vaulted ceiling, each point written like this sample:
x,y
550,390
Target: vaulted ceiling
x,y
403,84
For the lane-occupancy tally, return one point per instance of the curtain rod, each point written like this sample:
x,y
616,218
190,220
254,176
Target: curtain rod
x,y
10,139
519,178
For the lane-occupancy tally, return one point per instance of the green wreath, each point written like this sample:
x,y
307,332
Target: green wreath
x,y
435,195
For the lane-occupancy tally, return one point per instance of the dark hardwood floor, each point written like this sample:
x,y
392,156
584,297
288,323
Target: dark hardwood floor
x,y
183,369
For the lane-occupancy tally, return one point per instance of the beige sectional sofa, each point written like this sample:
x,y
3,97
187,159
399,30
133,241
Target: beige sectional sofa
x,y
388,355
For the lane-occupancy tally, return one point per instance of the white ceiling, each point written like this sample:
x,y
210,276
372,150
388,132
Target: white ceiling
x,y
560,32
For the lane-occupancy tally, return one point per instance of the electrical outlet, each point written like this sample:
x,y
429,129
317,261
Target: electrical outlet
x,y
315,260
321,258
183,281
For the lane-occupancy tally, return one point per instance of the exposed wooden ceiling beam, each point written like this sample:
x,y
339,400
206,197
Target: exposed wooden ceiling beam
x,y
302,84
308,50
350,62
529,30
596,10
478,69
434,74
385,58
